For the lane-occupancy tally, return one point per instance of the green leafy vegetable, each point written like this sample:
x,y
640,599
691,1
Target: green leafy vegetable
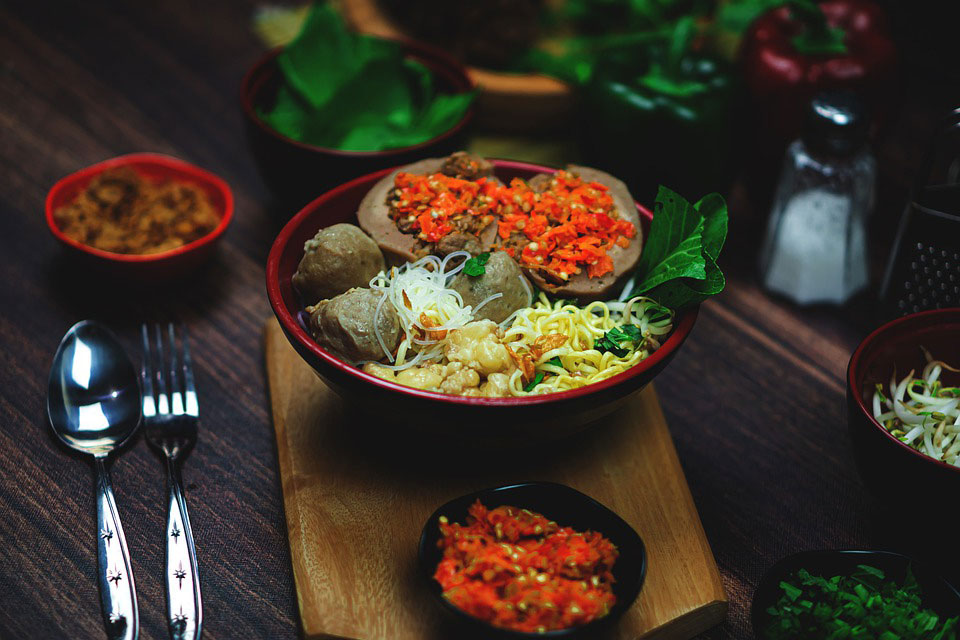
x,y
864,605
555,361
817,37
678,265
537,379
612,340
475,266
356,92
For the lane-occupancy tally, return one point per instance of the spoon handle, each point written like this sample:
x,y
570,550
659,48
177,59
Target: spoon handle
x,y
118,594
184,607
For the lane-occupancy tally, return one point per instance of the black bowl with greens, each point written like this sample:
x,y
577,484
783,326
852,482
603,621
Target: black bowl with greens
x,y
854,594
333,105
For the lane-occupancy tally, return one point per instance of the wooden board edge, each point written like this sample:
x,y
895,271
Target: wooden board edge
x,y
691,624
274,340
719,593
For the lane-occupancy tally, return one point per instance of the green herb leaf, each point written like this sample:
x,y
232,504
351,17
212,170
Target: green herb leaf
x,y
356,92
475,266
817,37
537,379
678,265
612,340
674,248
555,361
862,605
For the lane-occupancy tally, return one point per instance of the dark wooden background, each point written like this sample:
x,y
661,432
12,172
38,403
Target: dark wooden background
x,y
755,400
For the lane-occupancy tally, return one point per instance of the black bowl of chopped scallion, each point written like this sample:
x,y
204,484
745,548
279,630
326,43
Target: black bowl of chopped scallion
x,y
854,594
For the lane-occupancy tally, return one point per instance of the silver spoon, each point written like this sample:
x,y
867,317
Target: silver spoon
x,y
94,404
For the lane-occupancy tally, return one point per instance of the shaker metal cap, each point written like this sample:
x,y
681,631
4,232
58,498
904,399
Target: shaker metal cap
x,y
836,123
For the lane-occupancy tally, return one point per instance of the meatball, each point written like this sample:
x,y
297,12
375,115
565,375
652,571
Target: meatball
x,y
501,275
338,258
466,166
458,241
540,182
345,325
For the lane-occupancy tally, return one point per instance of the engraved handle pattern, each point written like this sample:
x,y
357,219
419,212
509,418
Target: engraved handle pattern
x,y
118,594
184,607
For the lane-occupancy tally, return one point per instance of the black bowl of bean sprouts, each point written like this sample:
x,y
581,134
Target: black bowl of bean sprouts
x,y
903,399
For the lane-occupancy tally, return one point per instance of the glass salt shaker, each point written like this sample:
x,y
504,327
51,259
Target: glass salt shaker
x,y
815,249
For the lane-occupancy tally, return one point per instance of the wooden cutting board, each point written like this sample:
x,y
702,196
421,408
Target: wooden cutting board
x,y
356,499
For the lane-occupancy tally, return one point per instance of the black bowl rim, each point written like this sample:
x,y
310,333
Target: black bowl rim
x,y
855,366
772,576
633,590
411,47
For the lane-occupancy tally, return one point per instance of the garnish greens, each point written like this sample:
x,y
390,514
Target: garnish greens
x,y
356,92
611,341
555,361
678,266
537,379
863,605
475,266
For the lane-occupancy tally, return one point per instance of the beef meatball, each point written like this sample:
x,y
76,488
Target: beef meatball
x,y
345,325
338,258
458,241
501,275
466,166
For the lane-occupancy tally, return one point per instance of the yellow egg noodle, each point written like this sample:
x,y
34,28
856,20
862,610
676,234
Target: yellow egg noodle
x,y
582,327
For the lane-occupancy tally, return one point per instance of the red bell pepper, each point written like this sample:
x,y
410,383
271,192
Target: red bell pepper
x,y
792,52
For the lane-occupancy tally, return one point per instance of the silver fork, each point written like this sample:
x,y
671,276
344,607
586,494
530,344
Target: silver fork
x,y
171,415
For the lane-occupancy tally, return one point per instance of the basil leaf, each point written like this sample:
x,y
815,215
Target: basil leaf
x,y
475,266
674,248
537,379
678,265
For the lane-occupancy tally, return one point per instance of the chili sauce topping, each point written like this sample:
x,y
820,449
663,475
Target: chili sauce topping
x,y
516,569
568,226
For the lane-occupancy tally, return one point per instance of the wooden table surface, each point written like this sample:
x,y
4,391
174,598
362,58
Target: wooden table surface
x,y
755,400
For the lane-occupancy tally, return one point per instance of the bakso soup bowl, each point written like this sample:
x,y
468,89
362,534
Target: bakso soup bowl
x,y
296,172
896,472
473,419
568,508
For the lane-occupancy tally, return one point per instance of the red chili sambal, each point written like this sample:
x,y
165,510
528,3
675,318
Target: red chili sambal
x,y
562,227
518,570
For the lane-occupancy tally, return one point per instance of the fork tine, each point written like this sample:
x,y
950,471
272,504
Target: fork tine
x,y
146,376
190,390
163,406
176,382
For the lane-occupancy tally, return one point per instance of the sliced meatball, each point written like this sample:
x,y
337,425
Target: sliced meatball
x,y
458,241
540,182
501,275
466,166
338,258
345,325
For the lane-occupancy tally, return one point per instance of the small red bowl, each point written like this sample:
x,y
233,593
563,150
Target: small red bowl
x,y
494,420
894,471
153,267
297,172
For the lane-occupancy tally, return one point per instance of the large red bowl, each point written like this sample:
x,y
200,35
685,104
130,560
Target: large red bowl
x,y
151,267
894,471
493,419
